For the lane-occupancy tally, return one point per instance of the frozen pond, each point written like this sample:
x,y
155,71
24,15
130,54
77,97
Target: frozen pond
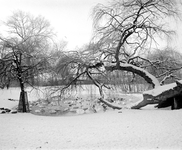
x,y
86,91
44,92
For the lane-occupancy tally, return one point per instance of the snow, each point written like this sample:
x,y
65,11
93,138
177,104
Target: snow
x,y
14,93
158,90
129,130
153,78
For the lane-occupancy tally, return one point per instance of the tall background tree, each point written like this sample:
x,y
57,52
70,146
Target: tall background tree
x,y
166,66
23,51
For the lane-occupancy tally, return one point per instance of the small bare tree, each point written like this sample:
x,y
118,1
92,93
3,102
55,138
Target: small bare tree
x,y
23,52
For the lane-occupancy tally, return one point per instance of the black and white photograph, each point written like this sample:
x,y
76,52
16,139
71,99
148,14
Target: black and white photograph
x,y
90,74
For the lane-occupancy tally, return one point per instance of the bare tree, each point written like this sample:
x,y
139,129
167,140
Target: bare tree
x,y
34,31
23,52
124,31
127,28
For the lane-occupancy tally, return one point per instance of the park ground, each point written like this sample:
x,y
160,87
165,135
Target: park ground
x,y
114,130
128,129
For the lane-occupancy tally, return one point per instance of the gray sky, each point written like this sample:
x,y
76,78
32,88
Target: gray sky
x,y
71,19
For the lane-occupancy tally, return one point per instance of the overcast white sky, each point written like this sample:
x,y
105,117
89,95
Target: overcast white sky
x,y
71,19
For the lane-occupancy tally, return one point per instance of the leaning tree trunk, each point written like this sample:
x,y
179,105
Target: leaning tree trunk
x,y
125,67
164,96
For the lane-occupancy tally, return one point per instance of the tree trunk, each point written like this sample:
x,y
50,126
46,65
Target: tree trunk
x,y
164,96
143,104
23,100
23,105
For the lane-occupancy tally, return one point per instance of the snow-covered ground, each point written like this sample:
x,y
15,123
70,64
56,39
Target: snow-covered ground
x,y
132,129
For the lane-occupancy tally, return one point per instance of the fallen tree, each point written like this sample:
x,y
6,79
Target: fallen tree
x,y
165,96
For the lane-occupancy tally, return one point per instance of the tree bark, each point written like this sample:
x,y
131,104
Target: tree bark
x,y
23,100
23,105
164,96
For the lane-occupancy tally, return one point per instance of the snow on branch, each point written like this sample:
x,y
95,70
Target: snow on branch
x,y
152,79
168,77
137,70
168,89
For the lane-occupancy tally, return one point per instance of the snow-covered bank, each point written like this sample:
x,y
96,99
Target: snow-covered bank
x,y
131,129
88,93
